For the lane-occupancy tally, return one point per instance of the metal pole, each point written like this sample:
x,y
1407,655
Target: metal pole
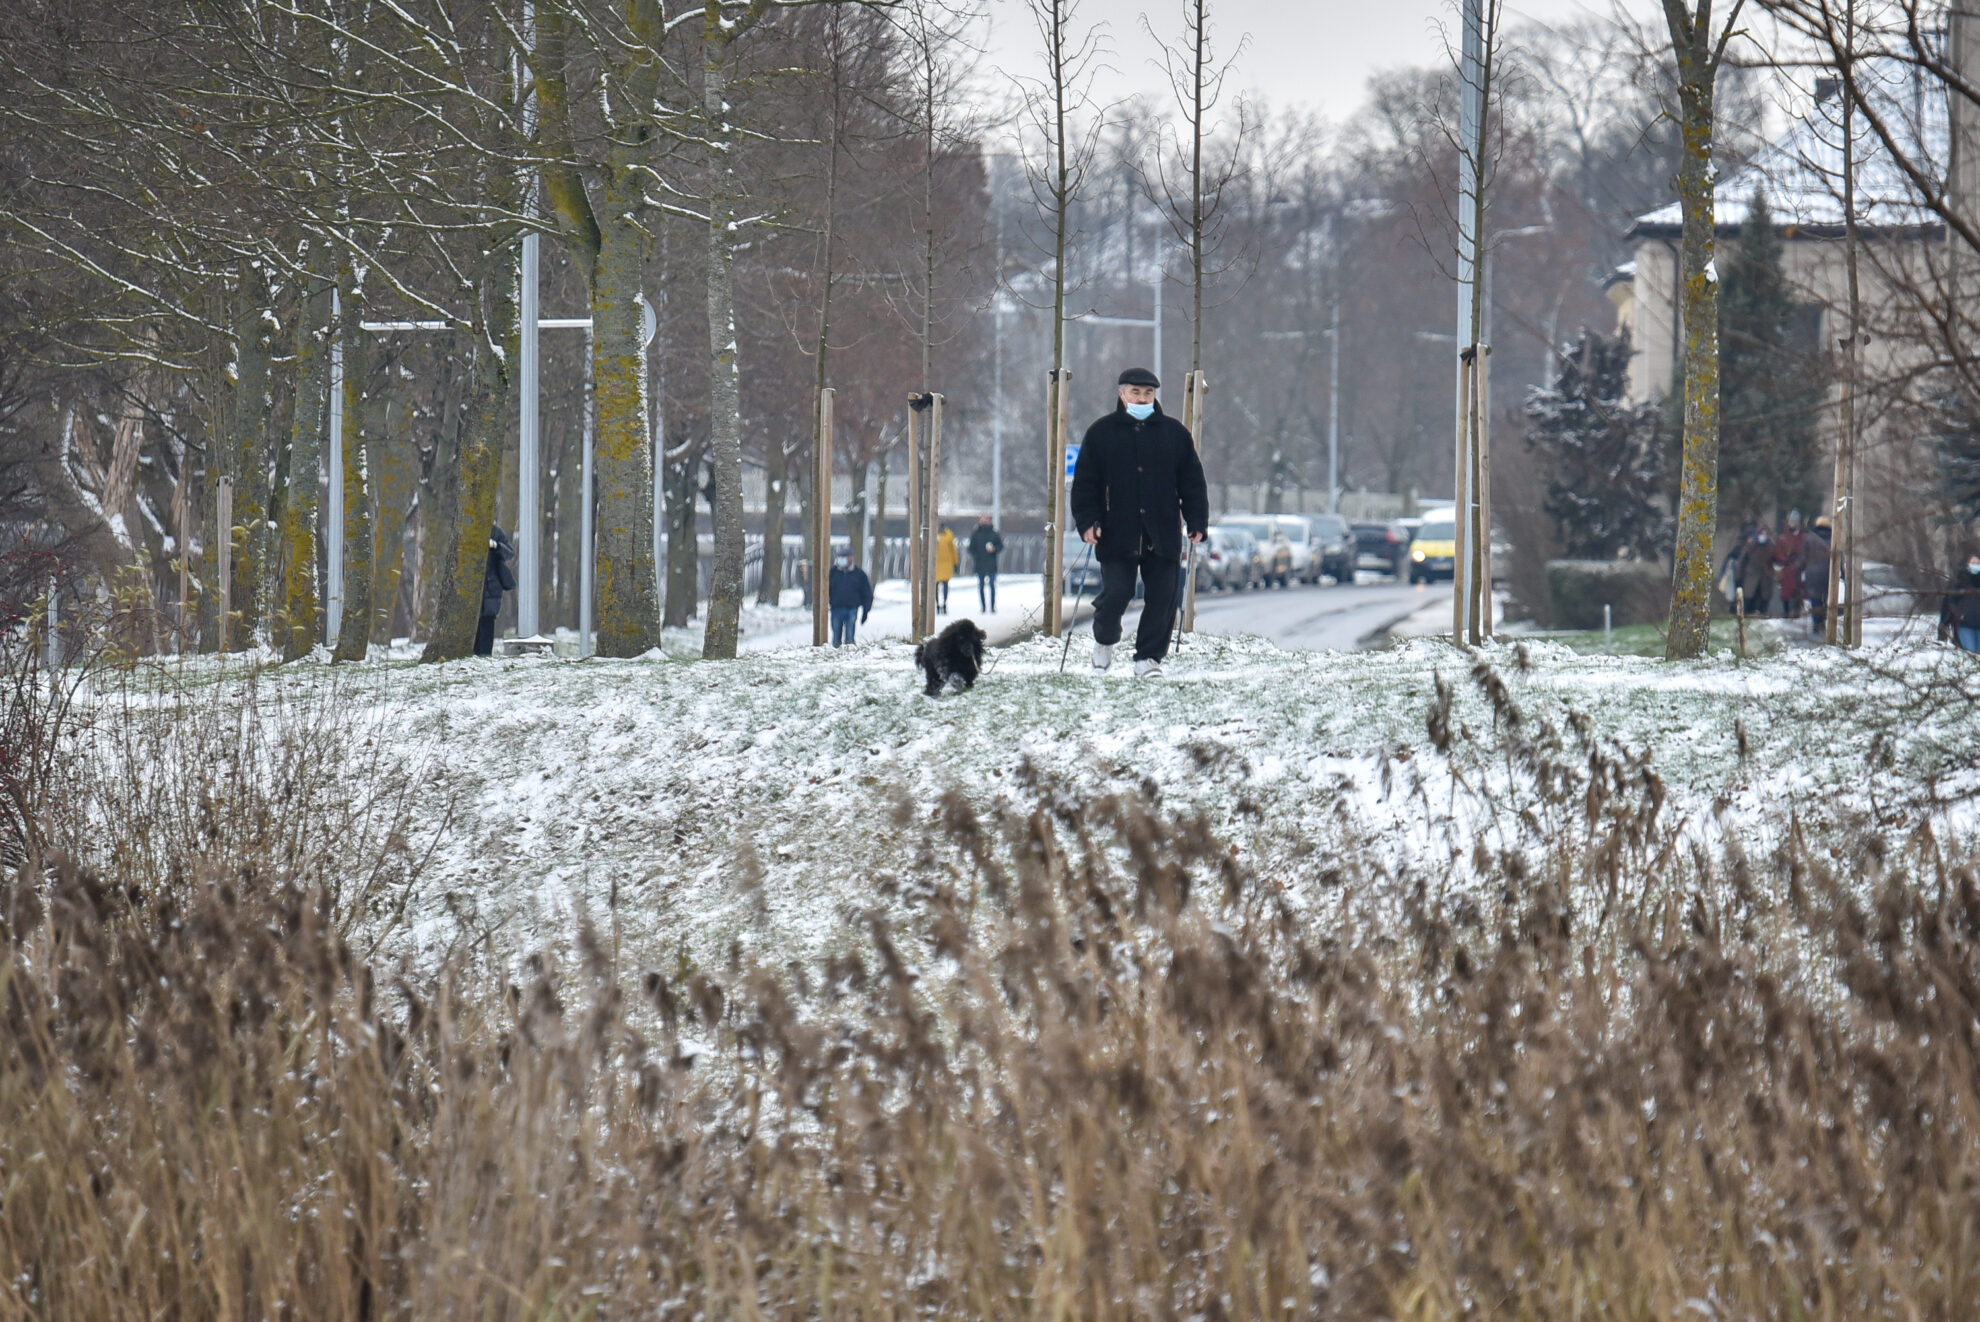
x,y
997,377
334,556
529,462
1334,412
587,557
1156,366
529,514
821,522
1471,114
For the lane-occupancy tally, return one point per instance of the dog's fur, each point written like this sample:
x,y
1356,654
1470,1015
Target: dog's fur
x,y
953,657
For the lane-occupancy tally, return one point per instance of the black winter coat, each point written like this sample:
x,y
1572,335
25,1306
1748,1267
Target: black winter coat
x,y
851,588
1139,483
985,545
499,577
1960,609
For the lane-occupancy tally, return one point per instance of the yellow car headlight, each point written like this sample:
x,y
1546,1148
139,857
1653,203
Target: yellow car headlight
x,y
1416,554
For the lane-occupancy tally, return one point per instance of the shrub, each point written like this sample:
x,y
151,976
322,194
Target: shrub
x,y
1637,591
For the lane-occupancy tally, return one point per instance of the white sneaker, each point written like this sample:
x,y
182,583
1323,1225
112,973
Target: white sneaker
x,y
1148,669
1103,655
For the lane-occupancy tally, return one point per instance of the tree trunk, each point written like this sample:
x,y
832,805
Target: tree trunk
x,y
247,457
360,441
297,622
683,534
777,477
468,474
879,568
1698,490
627,621
725,393
856,515
394,483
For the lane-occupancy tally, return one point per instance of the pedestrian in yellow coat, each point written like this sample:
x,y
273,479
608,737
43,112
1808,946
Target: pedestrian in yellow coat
x,y
945,569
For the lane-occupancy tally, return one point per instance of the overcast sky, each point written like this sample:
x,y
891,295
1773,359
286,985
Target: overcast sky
x,y
1318,53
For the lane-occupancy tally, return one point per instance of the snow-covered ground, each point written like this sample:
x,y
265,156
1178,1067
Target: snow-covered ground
x,y
660,788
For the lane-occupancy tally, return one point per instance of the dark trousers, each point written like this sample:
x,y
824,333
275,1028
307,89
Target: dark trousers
x,y
845,619
942,596
484,636
1159,576
986,593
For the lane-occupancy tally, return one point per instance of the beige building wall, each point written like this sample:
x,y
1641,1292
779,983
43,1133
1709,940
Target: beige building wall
x,y
1897,474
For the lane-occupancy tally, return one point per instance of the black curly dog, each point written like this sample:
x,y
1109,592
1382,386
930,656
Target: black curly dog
x,y
953,656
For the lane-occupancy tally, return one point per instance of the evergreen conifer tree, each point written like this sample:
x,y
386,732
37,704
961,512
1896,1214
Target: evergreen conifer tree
x,y
1772,382
1605,457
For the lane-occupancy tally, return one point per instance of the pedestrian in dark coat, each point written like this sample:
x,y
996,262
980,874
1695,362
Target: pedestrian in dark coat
x,y
985,545
1756,572
1815,573
851,598
1959,613
499,577
1137,486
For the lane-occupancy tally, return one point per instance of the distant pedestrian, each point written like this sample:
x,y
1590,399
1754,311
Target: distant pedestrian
x,y
1787,565
1137,484
499,577
945,568
1728,575
1755,572
1959,613
985,545
1815,552
851,598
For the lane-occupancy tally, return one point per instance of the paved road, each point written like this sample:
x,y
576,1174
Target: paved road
x,y
1313,618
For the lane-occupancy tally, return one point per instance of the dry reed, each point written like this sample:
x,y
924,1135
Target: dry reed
x,y
1103,1072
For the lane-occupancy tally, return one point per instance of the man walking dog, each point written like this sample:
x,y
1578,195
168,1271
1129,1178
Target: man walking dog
x,y
1137,485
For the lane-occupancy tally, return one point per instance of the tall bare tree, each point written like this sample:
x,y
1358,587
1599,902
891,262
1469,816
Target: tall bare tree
x,y
1698,44
1191,192
599,179
1064,133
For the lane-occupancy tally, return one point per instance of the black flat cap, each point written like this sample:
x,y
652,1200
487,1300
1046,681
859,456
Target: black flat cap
x,y
1139,376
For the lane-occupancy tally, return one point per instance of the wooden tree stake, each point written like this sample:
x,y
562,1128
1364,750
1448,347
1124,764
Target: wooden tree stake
x,y
821,522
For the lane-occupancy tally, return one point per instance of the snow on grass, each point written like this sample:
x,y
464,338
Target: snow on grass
x,y
574,787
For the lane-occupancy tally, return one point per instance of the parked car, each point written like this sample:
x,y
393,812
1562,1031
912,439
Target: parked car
x,y
1314,544
1277,559
1382,544
1333,547
1433,553
1232,558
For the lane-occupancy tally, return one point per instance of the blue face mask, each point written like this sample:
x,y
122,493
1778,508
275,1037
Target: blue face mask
x,y
1141,412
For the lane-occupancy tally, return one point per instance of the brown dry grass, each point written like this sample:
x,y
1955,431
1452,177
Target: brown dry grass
x,y
1105,1073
